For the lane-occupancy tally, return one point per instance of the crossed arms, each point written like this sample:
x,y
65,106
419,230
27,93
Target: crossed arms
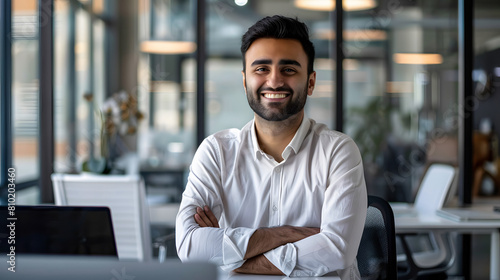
x,y
261,241
246,240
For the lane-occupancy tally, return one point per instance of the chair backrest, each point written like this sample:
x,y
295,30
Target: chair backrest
x,y
377,250
58,230
435,188
124,195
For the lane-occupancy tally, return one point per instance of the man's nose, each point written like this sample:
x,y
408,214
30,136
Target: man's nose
x,y
275,79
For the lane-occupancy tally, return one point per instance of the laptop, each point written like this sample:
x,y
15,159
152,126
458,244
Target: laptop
x,y
467,214
61,230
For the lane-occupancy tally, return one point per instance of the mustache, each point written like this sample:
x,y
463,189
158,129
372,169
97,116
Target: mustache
x,y
286,89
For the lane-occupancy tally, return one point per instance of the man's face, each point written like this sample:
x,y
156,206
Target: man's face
x,y
275,78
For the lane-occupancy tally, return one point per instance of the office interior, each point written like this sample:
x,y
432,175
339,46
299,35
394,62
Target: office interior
x,y
134,86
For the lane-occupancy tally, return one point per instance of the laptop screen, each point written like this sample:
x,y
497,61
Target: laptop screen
x,y
62,230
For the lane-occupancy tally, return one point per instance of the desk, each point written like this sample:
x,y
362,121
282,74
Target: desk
x,y
222,275
421,223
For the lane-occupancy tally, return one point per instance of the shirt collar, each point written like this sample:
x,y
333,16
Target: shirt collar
x,y
256,147
298,139
294,145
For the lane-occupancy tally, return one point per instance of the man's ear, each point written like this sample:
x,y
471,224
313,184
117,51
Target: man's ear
x,y
312,83
244,81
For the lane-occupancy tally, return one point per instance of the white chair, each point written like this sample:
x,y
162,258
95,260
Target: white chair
x,y
437,188
124,195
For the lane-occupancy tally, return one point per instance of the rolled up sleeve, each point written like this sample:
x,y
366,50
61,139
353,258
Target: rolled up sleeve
x,y
224,247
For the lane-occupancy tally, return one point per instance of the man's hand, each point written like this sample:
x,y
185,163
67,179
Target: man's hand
x,y
205,218
265,239
258,265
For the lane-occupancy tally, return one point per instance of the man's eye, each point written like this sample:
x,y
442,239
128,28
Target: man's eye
x,y
289,70
260,69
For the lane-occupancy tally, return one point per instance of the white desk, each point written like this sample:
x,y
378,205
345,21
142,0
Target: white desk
x,y
419,222
235,276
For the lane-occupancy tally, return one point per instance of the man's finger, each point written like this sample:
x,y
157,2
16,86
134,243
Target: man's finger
x,y
199,220
211,216
204,217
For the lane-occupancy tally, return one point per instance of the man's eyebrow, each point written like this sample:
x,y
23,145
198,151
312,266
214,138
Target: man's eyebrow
x,y
261,61
289,62
281,62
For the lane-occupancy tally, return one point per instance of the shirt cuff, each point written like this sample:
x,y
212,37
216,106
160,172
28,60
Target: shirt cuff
x,y
234,247
284,258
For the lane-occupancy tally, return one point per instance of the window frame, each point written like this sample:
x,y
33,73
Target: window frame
x,y
5,95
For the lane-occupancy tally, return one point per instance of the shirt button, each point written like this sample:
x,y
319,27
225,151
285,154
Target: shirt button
x,y
277,170
275,208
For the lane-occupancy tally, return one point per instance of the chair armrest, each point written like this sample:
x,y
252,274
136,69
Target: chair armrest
x,y
160,243
163,239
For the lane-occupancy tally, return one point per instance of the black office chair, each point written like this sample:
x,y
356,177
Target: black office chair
x,y
377,250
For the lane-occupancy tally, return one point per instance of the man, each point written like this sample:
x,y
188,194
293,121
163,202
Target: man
x,y
283,195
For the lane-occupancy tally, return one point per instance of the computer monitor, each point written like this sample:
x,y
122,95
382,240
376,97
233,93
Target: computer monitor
x,y
59,230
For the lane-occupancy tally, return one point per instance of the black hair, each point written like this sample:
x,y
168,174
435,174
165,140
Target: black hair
x,y
279,27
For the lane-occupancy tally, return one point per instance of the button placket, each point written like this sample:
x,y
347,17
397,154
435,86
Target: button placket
x,y
275,196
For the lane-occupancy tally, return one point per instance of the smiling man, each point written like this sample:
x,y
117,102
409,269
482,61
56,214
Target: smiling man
x,y
283,195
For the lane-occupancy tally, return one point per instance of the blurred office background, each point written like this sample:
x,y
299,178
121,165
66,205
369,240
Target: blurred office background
x,y
176,64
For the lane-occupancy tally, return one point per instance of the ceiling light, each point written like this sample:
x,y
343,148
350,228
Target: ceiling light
x,y
354,35
329,5
168,47
418,58
241,2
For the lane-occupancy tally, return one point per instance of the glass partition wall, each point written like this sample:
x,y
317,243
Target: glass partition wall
x,y
20,86
24,38
167,83
402,92
81,80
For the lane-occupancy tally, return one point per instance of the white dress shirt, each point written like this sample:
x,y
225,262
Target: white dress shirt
x,y
320,183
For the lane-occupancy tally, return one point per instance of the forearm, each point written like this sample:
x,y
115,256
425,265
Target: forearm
x,y
265,239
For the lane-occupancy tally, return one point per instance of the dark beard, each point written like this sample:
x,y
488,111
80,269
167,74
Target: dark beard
x,y
293,107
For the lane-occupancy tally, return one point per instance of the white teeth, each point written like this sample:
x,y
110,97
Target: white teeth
x,y
274,95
